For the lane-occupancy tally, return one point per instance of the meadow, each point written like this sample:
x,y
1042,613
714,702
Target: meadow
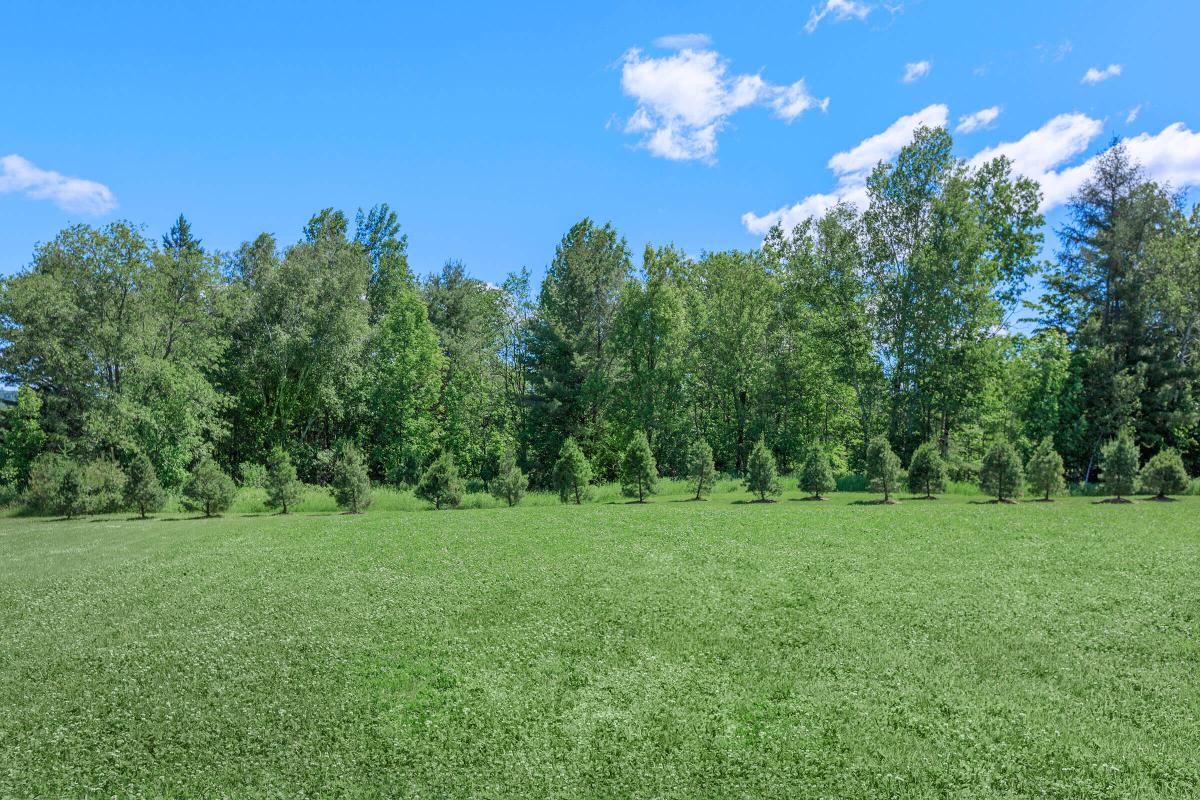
x,y
947,648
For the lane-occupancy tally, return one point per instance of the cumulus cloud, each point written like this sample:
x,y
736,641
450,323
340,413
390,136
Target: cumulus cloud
x,y
686,98
683,41
1094,76
916,70
1041,153
18,174
969,123
838,11
1132,116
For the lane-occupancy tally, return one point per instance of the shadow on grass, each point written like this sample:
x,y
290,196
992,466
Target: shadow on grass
x,y
875,503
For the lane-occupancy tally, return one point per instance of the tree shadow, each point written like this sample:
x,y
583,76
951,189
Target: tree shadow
x,y
1113,501
813,499
875,503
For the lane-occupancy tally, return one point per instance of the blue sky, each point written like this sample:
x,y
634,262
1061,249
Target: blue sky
x,y
491,129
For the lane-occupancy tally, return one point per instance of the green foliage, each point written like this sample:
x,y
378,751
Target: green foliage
x,y
22,438
45,481
208,489
279,479
816,478
350,485
1001,474
440,483
254,475
143,492
701,472
639,472
1119,465
1045,470
1164,474
762,478
572,474
72,491
927,471
510,482
104,485
883,467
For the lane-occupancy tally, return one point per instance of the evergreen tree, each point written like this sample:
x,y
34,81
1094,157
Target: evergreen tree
x,y
1001,474
71,491
440,483
817,478
104,485
510,482
1119,466
1164,475
701,471
762,478
572,474
1045,469
639,473
283,489
209,489
351,485
142,489
883,468
927,471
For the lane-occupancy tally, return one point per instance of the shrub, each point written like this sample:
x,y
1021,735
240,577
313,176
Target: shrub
x,y
104,484
639,473
701,471
762,478
509,483
1164,475
143,492
279,479
816,477
72,491
1045,470
350,483
208,489
1119,464
45,482
927,471
572,474
440,483
1001,474
883,467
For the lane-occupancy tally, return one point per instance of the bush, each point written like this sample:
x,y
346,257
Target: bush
x,y
45,483
639,473
1045,470
509,483
701,472
1001,474
350,484
927,471
762,478
1164,475
572,474
279,479
1119,465
208,489
883,467
143,492
254,476
440,483
72,491
104,484
816,477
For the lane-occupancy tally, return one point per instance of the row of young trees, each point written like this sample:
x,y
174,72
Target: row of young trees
x,y
898,320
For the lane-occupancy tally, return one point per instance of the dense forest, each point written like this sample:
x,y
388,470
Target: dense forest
x,y
926,317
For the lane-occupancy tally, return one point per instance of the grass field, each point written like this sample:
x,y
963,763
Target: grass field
x,y
677,649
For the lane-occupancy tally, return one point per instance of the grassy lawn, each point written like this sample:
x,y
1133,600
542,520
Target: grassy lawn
x,y
677,649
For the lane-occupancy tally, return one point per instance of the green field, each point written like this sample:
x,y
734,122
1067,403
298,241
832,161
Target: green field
x,y
676,649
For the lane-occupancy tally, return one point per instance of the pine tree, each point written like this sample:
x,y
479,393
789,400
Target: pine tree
x,y
283,489
1001,474
70,491
572,474
927,471
701,471
817,476
351,485
883,468
440,483
142,489
1119,466
209,489
510,482
1045,470
1165,475
639,473
762,478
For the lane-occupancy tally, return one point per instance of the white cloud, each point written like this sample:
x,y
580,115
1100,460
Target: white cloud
x,y
969,123
838,10
683,41
1041,153
852,168
18,174
686,98
916,70
1094,76
1132,116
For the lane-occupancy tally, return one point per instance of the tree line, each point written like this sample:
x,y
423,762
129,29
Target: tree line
x,y
906,322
